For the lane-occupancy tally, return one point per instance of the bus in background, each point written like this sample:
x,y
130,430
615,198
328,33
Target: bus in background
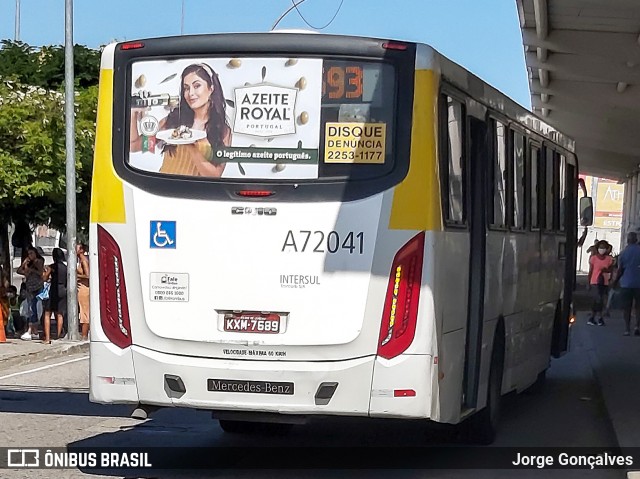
x,y
287,225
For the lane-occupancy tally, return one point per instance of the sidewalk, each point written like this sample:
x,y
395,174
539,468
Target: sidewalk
x,y
615,360
16,352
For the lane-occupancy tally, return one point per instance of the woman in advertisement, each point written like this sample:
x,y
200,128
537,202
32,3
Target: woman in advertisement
x,y
196,128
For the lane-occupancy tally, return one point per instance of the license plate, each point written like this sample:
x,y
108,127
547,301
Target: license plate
x,y
254,387
252,323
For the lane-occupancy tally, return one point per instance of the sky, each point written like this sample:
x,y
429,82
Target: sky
x,y
481,35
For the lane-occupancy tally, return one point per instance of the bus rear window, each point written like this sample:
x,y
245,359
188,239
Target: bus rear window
x,y
262,118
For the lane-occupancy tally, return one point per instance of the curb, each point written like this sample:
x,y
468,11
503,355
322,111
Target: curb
x,y
63,349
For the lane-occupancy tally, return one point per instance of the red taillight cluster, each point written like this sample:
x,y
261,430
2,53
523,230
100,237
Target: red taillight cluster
x,y
131,45
400,313
114,308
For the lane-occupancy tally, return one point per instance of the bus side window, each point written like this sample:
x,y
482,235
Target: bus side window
x,y
549,193
562,190
453,159
518,181
499,173
534,189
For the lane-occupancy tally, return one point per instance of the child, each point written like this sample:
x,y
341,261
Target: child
x,y
16,322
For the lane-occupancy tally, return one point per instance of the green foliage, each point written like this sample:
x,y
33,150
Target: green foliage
x,y
32,133
44,67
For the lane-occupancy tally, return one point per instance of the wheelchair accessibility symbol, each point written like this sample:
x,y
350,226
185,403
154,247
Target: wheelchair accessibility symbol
x,y
162,234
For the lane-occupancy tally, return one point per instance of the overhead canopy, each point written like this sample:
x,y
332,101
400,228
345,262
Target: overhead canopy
x,y
583,58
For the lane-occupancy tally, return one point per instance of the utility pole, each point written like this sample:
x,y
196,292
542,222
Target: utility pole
x,y
17,31
182,20
70,143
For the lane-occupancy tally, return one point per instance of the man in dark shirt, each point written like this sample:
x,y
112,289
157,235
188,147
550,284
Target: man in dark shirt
x,y
629,278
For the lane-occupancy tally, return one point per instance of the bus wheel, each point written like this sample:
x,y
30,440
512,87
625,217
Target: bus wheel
x,y
538,386
483,425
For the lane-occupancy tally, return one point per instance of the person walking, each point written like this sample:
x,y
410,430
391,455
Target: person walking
x,y
83,289
628,275
56,273
32,268
600,265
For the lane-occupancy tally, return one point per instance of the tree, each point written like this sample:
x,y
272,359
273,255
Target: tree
x,y
32,136
44,67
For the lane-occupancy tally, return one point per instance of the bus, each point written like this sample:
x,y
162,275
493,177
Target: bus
x,y
287,226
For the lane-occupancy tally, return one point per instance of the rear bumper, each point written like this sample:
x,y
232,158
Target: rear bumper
x,y
364,385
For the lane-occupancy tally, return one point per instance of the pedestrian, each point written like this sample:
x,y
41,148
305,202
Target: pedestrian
x,y
56,274
628,276
593,249
600,265
582,238
5,312
32,268
16,321
83,289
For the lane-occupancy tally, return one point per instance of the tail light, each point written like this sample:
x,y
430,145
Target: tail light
x,y
400,313
131,45
255,193
114,309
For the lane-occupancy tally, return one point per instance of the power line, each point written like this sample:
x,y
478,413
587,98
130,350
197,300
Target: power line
x,y
305,20
285,13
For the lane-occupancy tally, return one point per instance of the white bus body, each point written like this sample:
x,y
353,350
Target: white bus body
x,y
334,275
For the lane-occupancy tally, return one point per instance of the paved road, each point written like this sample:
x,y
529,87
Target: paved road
x,y
46,404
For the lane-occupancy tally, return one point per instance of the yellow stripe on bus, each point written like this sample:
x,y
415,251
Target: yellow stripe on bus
x,y
416,201
107,192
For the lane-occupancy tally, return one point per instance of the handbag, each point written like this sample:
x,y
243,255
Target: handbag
x,y
24,309
44,293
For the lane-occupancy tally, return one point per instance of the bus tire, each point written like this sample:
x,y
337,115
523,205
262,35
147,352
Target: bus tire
x,y
555,350
538,386
483,425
